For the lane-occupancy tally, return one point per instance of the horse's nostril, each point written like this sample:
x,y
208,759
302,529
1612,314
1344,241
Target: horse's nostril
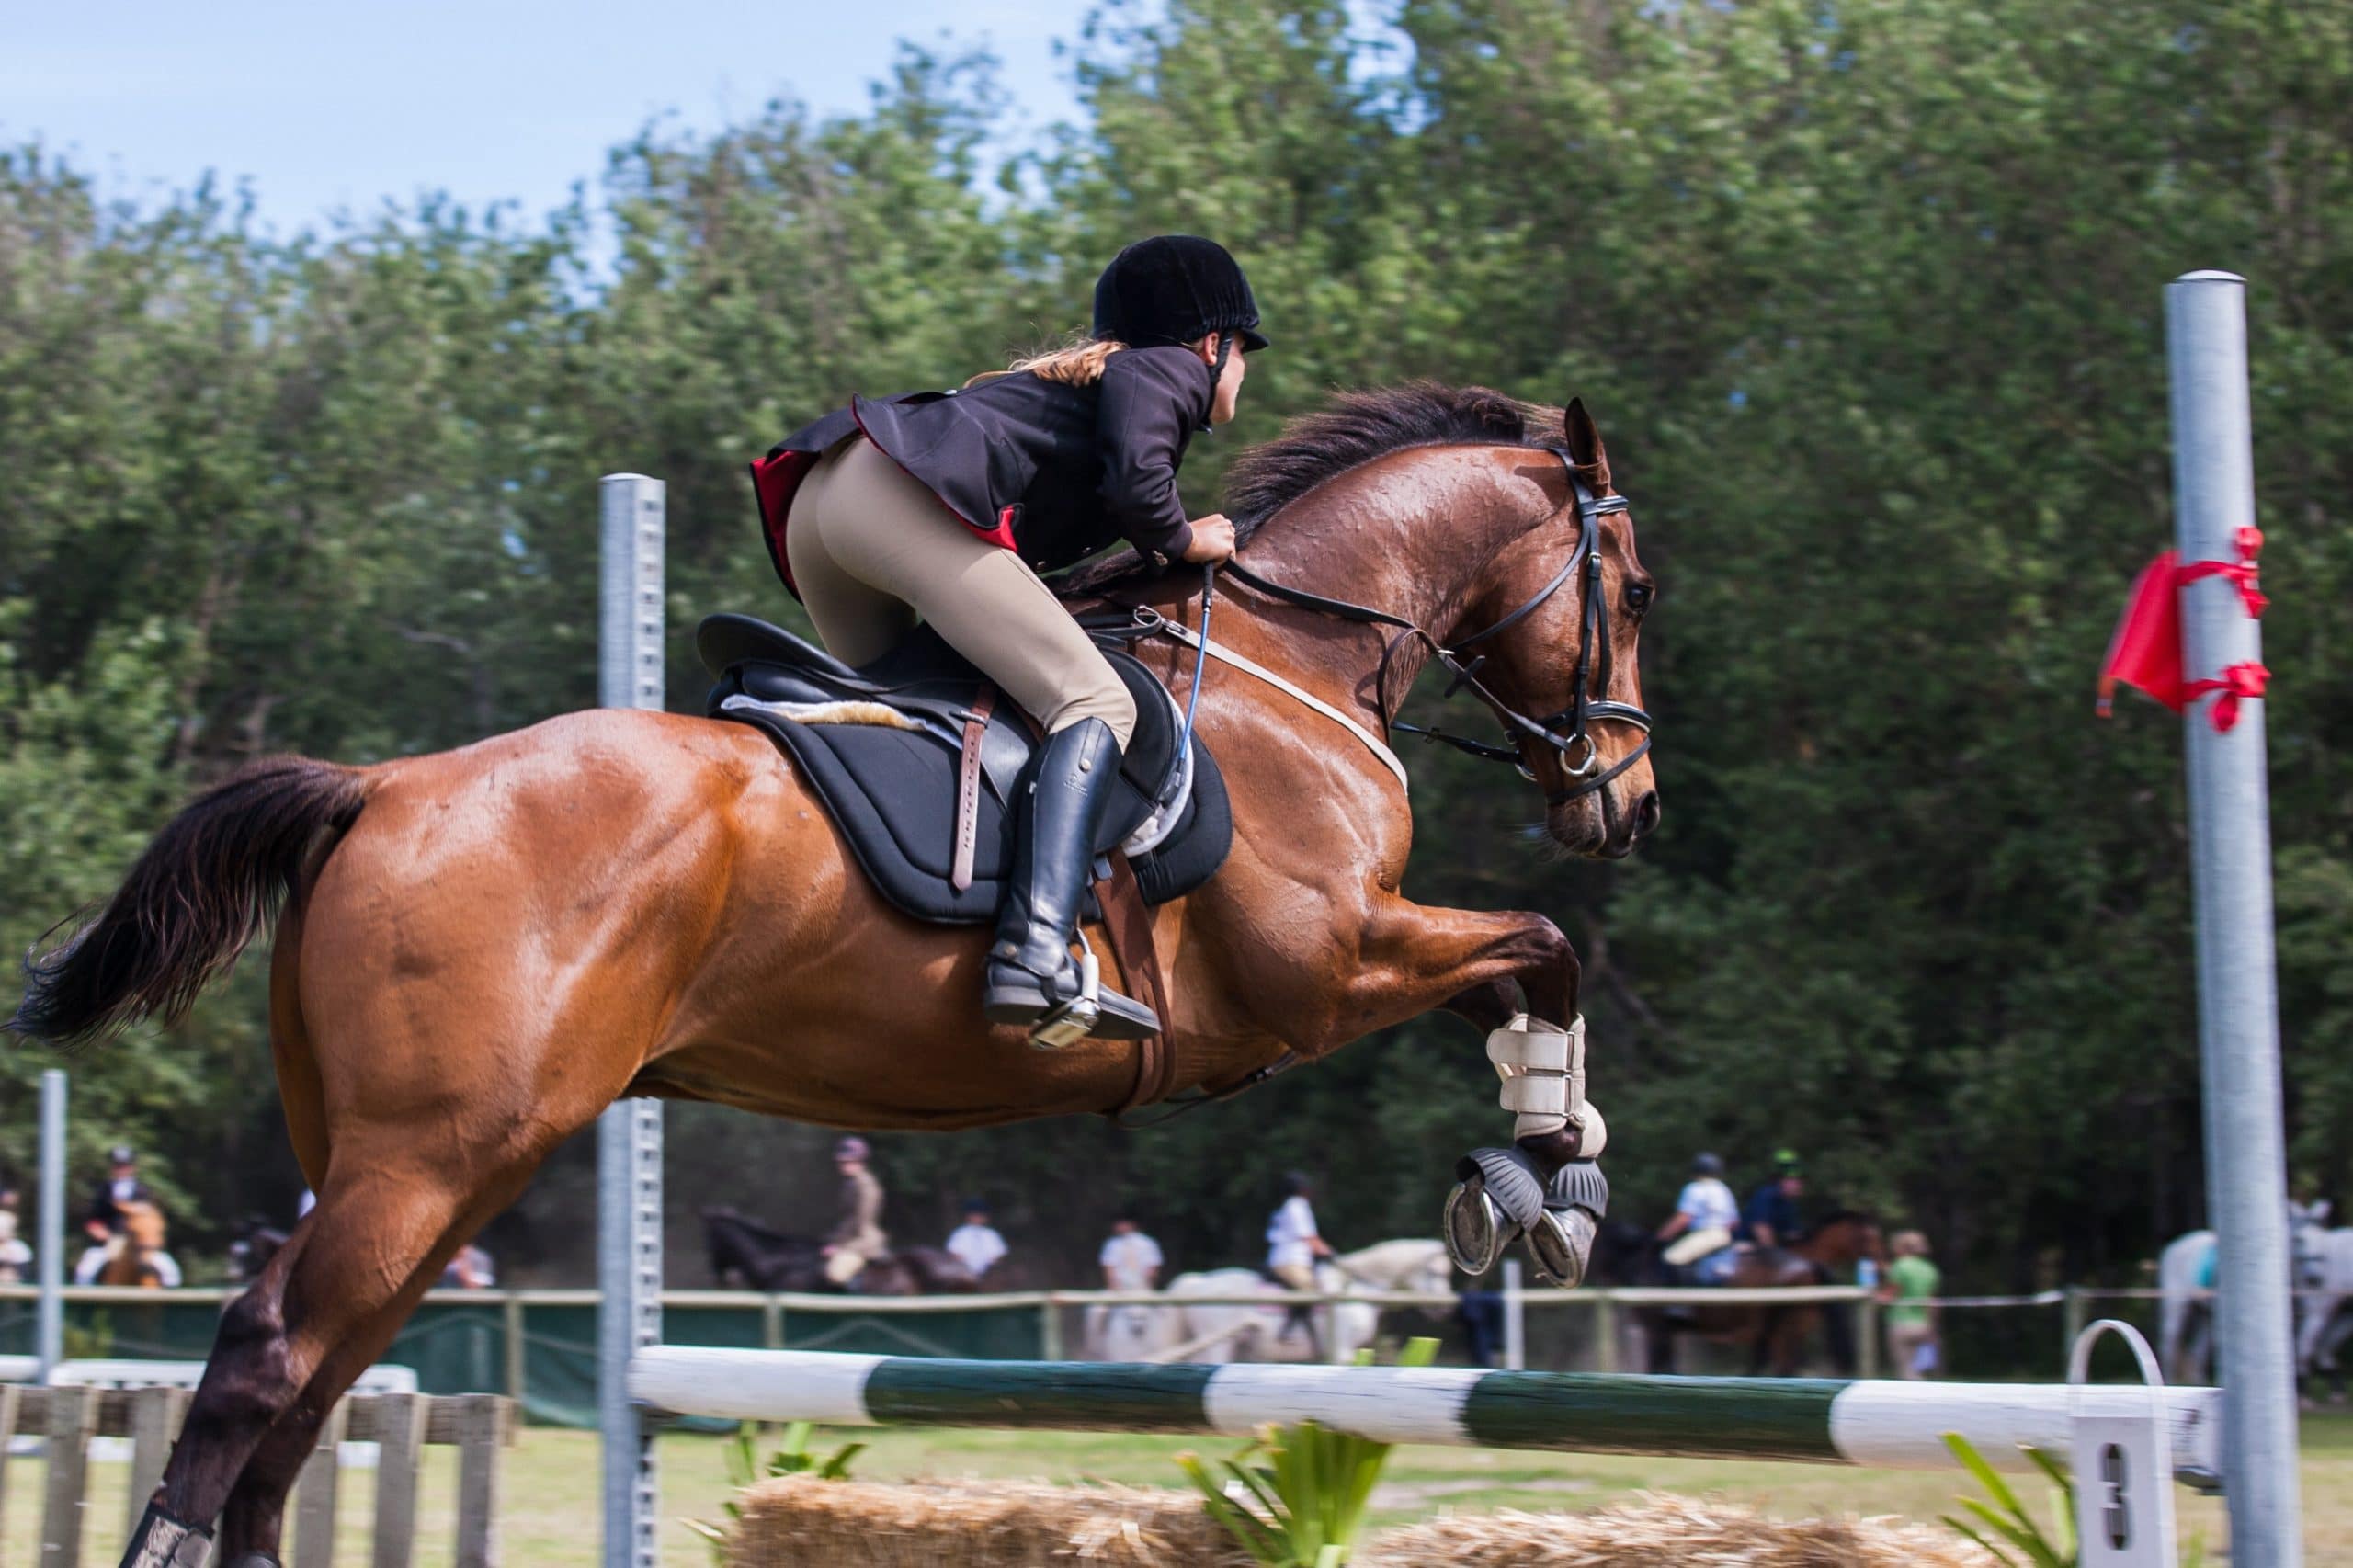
x,y
1647,814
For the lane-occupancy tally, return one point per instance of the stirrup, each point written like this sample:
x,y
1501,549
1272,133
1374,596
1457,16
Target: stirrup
x,y
1074,1020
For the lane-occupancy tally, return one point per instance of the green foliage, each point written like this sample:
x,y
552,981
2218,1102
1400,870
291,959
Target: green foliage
x,y
2002,1514
1866,298
792,1457
1304,1507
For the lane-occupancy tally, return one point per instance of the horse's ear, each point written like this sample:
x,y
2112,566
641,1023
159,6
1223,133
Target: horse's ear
x,y
1586,449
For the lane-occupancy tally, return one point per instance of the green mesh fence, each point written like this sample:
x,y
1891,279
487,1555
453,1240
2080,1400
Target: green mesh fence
x,y
459,1346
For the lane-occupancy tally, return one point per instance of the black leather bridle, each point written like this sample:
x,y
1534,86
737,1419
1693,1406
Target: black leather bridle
x,y
1568,732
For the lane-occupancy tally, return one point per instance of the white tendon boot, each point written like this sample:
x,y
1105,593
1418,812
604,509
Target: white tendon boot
x,y
1503,1192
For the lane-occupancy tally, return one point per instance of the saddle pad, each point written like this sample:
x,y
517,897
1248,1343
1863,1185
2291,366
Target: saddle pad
x,y
892,789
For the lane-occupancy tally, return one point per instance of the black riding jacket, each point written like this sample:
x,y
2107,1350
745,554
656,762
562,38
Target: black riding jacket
x,y
1049,470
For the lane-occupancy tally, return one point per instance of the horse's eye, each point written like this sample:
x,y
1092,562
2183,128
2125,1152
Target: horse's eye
x,y
1639,596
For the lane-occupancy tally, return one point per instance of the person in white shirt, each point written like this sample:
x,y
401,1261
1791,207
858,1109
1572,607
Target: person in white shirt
x,y
16,1257
1293,1242
975,1243
1705,1214
1130,1259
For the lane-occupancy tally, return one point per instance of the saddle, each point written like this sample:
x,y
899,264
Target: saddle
x,y
916,758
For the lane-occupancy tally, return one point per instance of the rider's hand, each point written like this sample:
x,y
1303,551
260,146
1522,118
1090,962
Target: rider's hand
x,y
1213,539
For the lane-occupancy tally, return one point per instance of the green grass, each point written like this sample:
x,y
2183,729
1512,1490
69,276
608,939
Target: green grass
x,y
549,1519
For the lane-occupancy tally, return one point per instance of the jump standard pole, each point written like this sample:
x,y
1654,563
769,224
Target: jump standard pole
x,y
2230,838
630,529
49,1333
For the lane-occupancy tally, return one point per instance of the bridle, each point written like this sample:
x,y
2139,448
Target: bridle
x,y
1568,732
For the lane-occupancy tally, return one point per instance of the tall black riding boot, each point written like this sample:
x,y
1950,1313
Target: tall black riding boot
x,y
1032,980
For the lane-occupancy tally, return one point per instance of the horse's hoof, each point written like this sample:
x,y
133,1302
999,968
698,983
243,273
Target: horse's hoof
x,y
1561,1244
159,1541
1475,1229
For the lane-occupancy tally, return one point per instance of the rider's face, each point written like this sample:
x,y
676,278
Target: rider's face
x,y
1229,381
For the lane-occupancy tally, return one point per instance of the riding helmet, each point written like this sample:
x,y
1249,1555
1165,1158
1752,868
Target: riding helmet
x,y
1708,1165
850,1148
1172,288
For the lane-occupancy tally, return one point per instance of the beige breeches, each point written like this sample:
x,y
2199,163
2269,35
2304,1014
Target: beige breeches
x,y
872,551
1693,1245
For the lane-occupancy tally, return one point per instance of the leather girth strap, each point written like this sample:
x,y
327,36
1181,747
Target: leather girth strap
x,y
968,787
1127,923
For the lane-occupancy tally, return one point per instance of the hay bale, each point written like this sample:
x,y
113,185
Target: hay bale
x,y
801,1522
1657,1527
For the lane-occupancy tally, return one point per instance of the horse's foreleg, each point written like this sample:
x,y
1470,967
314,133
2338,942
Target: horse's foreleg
x,y
1546,1186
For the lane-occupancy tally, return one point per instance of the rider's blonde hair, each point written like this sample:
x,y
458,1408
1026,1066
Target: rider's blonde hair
x,y
1078,364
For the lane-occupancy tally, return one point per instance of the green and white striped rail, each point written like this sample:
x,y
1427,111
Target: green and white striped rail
x,y
1824,1420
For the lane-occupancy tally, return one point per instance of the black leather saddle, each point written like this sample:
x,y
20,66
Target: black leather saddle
x,y
883,747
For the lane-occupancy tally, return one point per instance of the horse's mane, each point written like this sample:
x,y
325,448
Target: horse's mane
x,y
1353,430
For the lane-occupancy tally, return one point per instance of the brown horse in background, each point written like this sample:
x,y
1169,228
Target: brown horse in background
x,y
130,1252
1776,1336
481,950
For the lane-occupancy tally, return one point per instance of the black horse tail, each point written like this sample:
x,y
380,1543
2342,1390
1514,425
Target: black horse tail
x,y
196,897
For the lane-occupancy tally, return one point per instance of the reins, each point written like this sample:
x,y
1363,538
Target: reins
x,y
1595,656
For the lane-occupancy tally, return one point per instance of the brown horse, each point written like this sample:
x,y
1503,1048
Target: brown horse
x,y
1776,1336
481,950
131,1253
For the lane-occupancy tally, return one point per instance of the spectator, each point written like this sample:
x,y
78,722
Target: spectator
x,y
1771,1216
122,1186
975,1243
471,1270
16,1257
1911,1284
1481,1313
1130,1259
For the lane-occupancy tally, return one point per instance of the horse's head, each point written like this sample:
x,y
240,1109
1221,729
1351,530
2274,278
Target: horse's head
x,y
1562,614
1844,1237
143,1223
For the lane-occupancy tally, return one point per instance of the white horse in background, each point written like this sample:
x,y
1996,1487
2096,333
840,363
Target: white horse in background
x,y
1215,1331
2319,1272
2324,1318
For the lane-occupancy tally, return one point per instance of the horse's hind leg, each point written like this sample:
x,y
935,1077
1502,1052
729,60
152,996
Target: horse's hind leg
x,y
287,1350
415,1164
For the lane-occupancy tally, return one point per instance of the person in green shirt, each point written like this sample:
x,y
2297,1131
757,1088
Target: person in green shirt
x,y
1911,1287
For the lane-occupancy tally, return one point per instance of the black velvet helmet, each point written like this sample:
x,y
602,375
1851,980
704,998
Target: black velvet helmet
x,y
1174,288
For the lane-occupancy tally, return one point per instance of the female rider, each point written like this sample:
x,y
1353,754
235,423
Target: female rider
x,y
945,506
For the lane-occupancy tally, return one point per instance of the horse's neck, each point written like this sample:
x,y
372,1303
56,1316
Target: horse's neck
x,y
1832,1244
1415,535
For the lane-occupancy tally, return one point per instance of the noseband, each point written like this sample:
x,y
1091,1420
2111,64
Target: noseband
x,y
1566,732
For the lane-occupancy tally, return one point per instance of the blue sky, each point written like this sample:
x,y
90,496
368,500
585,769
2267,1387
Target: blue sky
x,y
341,106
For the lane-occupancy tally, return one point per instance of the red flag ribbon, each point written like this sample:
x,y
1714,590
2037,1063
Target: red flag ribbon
x,y
2146,654
2238,681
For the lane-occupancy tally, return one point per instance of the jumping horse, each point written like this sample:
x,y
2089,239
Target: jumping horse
x,y
478,950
